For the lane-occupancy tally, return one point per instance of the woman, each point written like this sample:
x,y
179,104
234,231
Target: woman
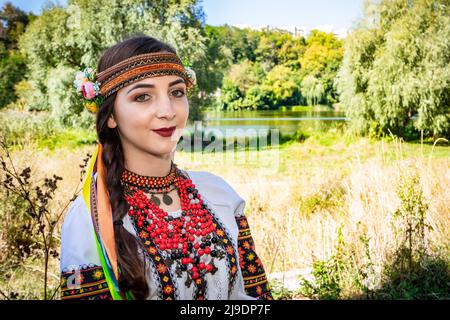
x,y
142,228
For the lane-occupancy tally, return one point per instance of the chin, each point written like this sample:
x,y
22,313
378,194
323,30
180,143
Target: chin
x,y
161,148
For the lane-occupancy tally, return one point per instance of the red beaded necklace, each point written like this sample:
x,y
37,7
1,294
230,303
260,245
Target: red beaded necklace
x,y
188,239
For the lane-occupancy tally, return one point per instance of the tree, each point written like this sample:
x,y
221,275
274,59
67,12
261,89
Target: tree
x,y
12,65
12,70
12,24
241,43
277,47
396,70
244,75
272,74
229,95
321,61
312,89
284,84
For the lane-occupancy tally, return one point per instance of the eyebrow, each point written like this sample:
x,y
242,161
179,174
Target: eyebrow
x,y
147,85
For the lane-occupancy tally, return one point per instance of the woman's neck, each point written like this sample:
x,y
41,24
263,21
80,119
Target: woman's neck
x,y
149,165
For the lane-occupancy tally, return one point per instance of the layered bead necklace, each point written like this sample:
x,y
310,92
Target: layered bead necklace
x,y
186,240
153,185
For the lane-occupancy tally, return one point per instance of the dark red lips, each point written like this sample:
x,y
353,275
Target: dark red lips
x,y
165,132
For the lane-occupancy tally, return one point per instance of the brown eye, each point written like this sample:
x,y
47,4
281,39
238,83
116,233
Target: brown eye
x,y
178,93
141,98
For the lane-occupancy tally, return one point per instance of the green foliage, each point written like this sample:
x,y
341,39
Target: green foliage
x,y
327,275
244,75
68,138
414,272
257,97
284,84
22,128
230,94
321,61
12,69
218,58
248,87
12,64
276,46
297,136
65,104
235,43
429,281
12,24
411,213
273,75
313,90
396,68
279,292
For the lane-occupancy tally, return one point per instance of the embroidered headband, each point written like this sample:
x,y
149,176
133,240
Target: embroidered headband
x,y
95,88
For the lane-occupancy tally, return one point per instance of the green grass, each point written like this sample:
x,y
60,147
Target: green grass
x,y
68,138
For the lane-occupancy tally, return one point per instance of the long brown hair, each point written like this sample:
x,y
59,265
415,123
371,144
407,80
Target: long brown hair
x,y
132,268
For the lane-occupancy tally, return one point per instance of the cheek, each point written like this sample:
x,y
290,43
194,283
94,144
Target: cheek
x,y
134,121
182,112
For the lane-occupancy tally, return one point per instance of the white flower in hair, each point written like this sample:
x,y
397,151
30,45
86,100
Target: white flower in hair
x,y
88,72
80,78
191,74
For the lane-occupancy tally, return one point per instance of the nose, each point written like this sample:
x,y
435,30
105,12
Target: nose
x,y
165,108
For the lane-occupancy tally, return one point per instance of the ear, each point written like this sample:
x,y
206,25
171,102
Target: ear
x,y
111,122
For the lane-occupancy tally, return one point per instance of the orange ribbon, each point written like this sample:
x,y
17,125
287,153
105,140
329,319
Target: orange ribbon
x,y
105,219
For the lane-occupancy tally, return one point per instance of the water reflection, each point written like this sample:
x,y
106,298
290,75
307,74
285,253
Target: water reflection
x,y
250,122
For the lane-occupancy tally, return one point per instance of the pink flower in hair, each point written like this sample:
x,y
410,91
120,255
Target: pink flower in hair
x,y
88,90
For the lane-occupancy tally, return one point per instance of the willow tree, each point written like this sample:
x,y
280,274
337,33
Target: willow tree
x,y
396,69
313,90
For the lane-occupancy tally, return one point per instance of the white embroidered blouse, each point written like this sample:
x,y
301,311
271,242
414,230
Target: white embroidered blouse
x,y
78,244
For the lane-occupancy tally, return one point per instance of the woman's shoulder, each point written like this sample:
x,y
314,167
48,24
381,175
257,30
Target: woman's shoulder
x,y
77,218
217,190
77,236
76,209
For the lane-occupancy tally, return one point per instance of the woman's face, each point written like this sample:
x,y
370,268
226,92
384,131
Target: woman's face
x,y
144,106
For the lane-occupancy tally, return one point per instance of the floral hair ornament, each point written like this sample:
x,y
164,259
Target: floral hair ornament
x,y
88,88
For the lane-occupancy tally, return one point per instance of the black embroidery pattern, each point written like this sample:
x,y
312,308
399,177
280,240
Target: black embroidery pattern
x,y
225,241
93,201
255,279
167,287
86,282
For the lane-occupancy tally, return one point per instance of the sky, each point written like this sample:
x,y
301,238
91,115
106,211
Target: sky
x,y
336,16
